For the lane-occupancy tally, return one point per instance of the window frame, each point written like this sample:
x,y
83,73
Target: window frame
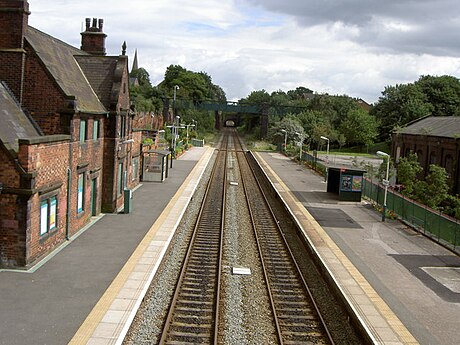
x,y
81,193
83,135
135,168
96,129
48,215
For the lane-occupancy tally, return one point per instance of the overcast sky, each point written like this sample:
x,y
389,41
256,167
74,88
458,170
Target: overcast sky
x,y
352,47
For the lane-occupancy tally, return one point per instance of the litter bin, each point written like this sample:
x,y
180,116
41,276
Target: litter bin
x,y
128,203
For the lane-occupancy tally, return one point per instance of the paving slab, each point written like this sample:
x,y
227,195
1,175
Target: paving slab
x,y
394,259
48,304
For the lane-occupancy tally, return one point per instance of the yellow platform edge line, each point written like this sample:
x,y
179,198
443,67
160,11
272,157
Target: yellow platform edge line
x,y
93,319
393,321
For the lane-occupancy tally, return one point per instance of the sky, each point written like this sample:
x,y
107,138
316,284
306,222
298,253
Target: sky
x,y
351,47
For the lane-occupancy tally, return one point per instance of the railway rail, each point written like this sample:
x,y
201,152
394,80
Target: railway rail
x,y
194,313
193,316
296,316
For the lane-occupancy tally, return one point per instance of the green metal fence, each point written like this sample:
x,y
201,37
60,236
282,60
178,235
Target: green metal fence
x,y
314,162
436,225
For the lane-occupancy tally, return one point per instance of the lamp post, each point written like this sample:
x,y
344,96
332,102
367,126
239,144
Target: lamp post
x,y
176,87
327,150
187,126
327,157
301,144
195,123
386,182
285,138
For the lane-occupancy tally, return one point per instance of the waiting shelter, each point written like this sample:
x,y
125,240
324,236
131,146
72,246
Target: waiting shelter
x,y
346,182
155,165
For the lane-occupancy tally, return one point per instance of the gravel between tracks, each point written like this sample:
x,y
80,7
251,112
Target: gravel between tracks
x,y
245,316
246,311
148,323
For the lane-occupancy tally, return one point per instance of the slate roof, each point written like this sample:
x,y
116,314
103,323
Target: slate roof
x,y
102,73
438,126
14,123
59,59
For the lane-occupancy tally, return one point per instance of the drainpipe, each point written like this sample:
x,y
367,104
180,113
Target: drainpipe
x,y
69,177
67,215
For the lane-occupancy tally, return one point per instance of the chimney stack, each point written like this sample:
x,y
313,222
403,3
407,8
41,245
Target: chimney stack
x,y
14,18
93,38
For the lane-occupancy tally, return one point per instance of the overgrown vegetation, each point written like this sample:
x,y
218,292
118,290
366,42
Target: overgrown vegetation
x,y
301,115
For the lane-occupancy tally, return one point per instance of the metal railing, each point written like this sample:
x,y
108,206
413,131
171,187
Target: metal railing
x,y
438,226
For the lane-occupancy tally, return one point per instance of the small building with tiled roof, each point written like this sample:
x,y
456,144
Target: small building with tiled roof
x,y
70,126
435,140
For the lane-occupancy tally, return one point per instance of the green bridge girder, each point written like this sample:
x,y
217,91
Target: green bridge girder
x,y
234,107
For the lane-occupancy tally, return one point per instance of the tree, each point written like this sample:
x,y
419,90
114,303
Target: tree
x,y
434,189
142,76
359,127
291,125
408,170
443,93
257,97
195,86
399,105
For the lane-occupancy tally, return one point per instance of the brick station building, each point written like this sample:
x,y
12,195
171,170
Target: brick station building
x,y
67,149
435,140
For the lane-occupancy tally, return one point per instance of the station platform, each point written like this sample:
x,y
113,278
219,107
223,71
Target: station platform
x,y
86,291
404,287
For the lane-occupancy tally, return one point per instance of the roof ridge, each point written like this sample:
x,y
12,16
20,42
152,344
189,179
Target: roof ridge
x,y
58,41
25,111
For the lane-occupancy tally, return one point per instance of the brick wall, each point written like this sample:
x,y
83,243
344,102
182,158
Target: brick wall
x,y
87,158
50,161
13,23
42,97
12,240
117,149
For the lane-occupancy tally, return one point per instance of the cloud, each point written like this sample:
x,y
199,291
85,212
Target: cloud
x,y
340,47
397,26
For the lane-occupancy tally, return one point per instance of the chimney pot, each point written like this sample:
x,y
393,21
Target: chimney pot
x,y
101,24
88,23
94,23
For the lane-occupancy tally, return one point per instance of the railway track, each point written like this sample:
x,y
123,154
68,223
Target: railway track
x,y
296,316
193,316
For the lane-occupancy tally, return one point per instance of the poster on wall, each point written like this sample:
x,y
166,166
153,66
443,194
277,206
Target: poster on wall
x,y
53,210
44,217
345,183
351,183
357,184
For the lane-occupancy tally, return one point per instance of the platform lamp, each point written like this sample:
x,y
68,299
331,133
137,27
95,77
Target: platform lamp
x,y
285,138
386,182
196,124
176,87
327,150
327,157
301,144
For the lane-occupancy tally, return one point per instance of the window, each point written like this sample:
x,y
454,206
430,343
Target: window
x,y
122,126
48,215
80,196
120,179
83,131
135,163
96,129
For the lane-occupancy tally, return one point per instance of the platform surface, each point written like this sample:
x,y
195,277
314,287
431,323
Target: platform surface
x,y
86,290
397,279
404,287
